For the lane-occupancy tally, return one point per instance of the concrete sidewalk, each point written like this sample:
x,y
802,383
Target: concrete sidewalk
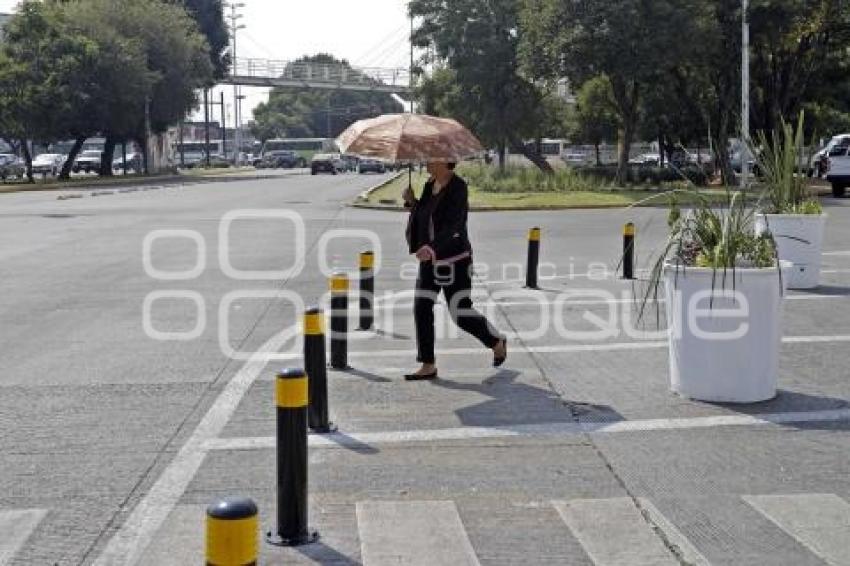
x,y
574,452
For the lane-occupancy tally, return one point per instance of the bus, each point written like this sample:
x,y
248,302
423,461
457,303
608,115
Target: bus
x,y
305,148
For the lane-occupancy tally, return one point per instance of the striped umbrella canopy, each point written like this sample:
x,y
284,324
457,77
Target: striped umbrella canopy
x,y
409,138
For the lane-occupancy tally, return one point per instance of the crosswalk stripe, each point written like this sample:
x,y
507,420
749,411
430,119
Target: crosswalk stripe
x,y
15,528
614,533
820,522
686,550
180,540
411,533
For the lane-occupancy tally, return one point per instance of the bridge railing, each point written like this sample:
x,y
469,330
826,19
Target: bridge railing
x,y
320,73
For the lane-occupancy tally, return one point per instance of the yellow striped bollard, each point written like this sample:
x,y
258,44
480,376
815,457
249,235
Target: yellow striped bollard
x,y
232,533
291,400
367,289
533,258
315,364
339,321
629,251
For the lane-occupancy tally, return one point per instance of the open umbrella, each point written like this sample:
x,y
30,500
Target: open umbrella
x,y
409,138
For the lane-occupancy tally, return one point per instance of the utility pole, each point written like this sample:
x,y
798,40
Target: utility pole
x,y
235,27
182,149
410,79
745,94
147,135
223,126
207,126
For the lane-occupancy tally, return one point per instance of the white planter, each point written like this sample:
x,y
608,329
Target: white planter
x,y
715,354
799,239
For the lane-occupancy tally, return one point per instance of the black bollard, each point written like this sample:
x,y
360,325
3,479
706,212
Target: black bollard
x,y
291,400
339,321
367,290
315,364
232,532
533,258
628,251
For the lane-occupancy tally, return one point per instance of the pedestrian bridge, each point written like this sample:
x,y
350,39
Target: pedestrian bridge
x,y
272,73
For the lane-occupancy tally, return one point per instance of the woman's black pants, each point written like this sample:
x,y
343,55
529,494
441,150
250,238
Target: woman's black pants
x,y
455,281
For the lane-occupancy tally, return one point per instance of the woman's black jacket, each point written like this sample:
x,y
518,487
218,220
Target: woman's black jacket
x,y
448,236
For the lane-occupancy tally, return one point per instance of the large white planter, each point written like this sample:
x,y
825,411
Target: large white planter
x,y
717,354
799,239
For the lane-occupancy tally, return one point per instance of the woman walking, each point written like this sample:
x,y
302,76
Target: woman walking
x,y
437,235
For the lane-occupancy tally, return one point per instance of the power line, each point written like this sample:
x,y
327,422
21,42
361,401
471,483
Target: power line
x,y
359,60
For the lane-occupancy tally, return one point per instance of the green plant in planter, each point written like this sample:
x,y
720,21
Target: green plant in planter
x,y
778,158
720,238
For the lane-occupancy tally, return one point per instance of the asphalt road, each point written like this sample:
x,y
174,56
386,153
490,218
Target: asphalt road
x,y
122,416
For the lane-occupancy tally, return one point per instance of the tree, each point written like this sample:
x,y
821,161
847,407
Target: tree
x,y
629,41
41,63
595,118
112,77
209,15
175,54
304,112
793,44
478,41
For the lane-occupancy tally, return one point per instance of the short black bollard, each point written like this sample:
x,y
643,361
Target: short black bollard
x,y
533,258
291,400
339,321
232,532
315,364
628,251
367,290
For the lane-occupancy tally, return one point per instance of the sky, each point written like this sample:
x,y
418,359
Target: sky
x,y
371,33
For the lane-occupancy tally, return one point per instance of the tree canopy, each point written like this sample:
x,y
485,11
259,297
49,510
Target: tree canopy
x,y
76,69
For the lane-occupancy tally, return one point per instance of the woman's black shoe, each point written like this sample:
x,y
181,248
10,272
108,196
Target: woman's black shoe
x,y
498,361
420,376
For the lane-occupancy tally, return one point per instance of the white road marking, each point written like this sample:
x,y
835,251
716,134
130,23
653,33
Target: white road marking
x,y
181,540
354,439
138,530
570,348
484,302
614,533
837,253
16,526
686,550
413,533
820,522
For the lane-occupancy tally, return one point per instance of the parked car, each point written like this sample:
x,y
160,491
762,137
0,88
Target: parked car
x,y
351,162
649,159
134,163
817,168
48,164
371,166
192,159
326,163
282,159
11,166
838,168
574,159
87,162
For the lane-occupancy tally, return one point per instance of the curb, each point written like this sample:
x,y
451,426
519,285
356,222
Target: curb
x,y
389,208
368,192
165,180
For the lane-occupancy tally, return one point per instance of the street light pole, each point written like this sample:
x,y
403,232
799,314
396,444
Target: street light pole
x,y
234,27
745,94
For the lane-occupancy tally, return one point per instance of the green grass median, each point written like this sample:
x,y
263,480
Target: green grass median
x,y
526,188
